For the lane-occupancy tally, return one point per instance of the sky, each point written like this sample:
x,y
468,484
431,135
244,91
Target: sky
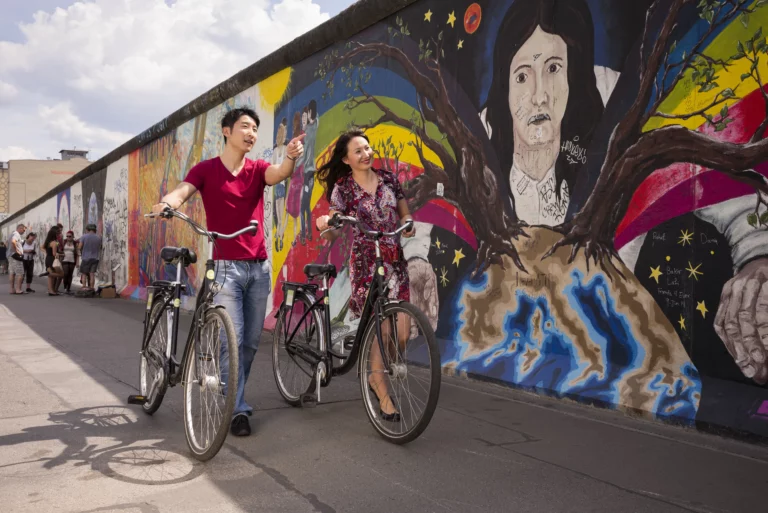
x,y
91,74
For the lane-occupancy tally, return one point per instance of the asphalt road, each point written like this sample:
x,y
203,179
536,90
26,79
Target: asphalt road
x,y
69,443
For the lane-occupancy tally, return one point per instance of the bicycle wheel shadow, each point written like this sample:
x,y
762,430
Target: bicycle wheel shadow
x,y
110,440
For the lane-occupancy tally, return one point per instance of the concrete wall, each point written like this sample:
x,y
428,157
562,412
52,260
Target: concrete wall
x,y
613,251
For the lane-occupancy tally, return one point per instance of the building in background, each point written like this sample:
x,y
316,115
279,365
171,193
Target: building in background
x,y
24,181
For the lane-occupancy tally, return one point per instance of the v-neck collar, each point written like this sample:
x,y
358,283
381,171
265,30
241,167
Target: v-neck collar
x,y
376,190
226,170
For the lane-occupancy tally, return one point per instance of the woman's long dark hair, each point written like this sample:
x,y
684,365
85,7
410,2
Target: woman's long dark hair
x,y
335,169
52,233
572,21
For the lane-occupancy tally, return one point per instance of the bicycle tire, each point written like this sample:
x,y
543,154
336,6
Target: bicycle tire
x,y
294,397
150,407
191,383
435,373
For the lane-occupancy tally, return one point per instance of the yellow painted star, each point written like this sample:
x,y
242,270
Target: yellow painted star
x,y
669,258
712,252
655,273
461,44
693,272
452,19
701,307
685,237
428,15
681,322
437,243
458,255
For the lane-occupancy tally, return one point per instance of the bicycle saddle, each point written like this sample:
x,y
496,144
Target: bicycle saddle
x,y
170,255
312,270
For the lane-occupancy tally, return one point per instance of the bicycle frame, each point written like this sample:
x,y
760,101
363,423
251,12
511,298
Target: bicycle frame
x,y
374,304
204,301
173,290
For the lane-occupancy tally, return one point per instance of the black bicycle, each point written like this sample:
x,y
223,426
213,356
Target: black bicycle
x,y
399,369
207,369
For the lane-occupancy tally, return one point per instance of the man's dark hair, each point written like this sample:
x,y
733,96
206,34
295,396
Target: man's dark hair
x,y
312,109
231,117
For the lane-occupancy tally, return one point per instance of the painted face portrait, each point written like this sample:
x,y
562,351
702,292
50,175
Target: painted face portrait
x,y
538,88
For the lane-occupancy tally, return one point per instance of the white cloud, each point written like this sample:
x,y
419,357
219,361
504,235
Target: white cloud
x,y
66,127
7,92
101,69
15,153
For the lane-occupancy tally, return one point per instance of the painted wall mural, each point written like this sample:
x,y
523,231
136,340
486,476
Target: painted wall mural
x,y
588,180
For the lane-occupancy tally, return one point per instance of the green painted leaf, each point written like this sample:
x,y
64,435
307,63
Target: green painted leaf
x,y
745,75
728,93
758,34
752,219
744,19
741,48
719,127
764,218
724,111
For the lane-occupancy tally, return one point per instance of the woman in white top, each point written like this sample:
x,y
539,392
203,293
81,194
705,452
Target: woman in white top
x,y
30,250
69,261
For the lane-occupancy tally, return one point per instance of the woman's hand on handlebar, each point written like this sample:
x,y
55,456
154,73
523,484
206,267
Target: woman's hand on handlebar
x,y
160,208
410,232
322,223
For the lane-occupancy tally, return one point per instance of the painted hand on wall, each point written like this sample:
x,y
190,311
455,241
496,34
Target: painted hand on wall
x,y
424,288
742,319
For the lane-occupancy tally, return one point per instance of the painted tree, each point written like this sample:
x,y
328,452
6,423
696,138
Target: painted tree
x,y
633,154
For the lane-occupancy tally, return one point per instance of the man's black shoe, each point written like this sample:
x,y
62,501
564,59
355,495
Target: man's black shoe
x,y
241,426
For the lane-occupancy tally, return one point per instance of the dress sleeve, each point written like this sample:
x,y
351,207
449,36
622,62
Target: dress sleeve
x,y
396,187
338,199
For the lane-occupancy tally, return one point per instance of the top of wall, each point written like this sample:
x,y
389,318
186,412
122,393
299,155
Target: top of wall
x,y
352,20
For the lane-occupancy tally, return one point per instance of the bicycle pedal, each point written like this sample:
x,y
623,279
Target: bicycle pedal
x,y
137,399
308,400
349,342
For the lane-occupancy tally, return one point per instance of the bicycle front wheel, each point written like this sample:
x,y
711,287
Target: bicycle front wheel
x,y
400,387
210,384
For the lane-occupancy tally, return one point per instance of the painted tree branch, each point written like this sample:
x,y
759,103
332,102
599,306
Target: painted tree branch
x,y
701,112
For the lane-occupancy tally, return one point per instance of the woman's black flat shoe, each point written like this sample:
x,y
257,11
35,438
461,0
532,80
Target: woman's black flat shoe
x,y
389,417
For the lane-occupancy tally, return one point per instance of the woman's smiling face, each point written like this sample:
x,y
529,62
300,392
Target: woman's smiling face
x,y
538,88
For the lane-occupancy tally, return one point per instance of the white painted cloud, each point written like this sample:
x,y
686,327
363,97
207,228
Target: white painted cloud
x,y
101,69
15,153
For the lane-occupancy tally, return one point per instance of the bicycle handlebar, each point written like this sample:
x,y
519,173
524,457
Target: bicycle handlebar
x,y
169,212
335,222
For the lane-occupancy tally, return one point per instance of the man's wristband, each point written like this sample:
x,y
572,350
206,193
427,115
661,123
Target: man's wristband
x,y
290,158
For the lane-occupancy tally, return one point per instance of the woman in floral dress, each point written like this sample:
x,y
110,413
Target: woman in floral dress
x,y
373,196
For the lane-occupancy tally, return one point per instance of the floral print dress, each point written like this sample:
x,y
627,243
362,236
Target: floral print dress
x,y
377,212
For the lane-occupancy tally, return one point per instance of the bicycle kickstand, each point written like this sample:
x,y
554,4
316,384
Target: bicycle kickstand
x,y
310,400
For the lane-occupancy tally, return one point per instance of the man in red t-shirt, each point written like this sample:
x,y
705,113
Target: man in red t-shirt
x,y
232,188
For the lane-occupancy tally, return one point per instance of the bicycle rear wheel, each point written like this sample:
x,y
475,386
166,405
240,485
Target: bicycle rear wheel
x,y
411,386
210,384
150,369
295,377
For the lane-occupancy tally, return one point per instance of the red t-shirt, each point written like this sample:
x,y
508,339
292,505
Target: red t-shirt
x,y
230,203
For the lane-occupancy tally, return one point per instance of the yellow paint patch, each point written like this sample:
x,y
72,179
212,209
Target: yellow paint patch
x,y
686,98
272,89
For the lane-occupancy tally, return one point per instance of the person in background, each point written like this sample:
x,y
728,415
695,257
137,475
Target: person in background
x,y
15,258
3,258
30,251
55,274
90,249
69,261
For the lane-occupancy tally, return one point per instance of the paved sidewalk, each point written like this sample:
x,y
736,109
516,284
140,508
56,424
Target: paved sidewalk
x,y
68,443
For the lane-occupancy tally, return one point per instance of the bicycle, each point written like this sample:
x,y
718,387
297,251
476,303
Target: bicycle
x,y
206,368
302,332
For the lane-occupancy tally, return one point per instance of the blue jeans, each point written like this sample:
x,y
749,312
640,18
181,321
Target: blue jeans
x,y
245,287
